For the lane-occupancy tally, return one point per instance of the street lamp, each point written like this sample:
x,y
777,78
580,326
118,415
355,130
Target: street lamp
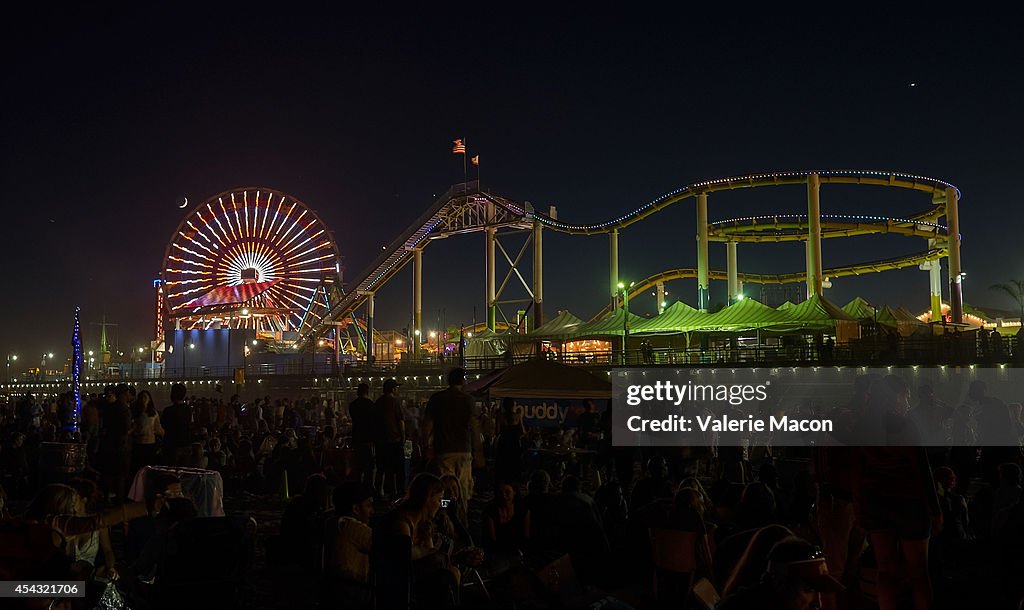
x,y
10,357
42,365
625,317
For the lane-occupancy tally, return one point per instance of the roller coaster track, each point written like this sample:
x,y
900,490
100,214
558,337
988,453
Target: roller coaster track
x,y
888,264
459,211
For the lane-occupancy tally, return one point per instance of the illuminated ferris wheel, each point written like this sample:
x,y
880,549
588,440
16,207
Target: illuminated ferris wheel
x,y
248,258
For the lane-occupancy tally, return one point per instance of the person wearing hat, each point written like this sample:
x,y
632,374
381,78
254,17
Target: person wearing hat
x,y
451,429
794,579
389,440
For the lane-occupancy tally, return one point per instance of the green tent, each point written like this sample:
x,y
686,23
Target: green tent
x,y
786,305
818,314
748,314
608,326
486,344
678,318
860,309
902,320
562,326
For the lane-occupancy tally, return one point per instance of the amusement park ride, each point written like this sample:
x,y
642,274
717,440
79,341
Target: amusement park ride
x,y
259,260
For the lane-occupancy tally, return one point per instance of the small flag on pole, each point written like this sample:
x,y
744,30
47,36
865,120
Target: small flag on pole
x,y
476,160
459,147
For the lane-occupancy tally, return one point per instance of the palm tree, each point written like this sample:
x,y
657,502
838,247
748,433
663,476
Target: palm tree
x,y
1015,289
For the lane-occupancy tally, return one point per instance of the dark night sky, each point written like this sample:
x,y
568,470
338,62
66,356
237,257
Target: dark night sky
x,y
111,117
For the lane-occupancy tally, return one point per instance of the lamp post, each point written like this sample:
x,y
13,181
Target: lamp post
x,y
42,364
416,344
625,318
10,357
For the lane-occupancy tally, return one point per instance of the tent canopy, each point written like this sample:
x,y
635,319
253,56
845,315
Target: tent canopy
x,y
608,326
486,344
860,309
818,311
544,379
748,314
563,325
678,318
818,314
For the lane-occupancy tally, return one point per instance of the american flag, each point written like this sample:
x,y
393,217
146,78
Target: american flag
x,y
459,147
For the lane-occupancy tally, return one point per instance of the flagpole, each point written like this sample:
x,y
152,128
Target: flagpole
x,y
465,153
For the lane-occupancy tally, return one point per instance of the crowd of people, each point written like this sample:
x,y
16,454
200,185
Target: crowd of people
x,y
446,503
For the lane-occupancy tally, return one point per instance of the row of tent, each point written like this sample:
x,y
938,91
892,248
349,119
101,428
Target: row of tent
x,y
815,315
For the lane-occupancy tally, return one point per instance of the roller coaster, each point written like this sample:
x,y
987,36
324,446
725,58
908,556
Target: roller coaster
x,y
466,208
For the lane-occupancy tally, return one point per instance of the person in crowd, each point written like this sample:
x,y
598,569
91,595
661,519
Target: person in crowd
x,y
389,441
14,466
56,506
115,443
1007,494
216,457
434,579
504,527
756,508
931,416
650,490
588,425
347,546
539,505
361,412
146,429
687,515
740,559
451,429
452,520
511,431
301,525
995,428
955,516
177,421
94,549
197,456
794,578
157,484
895,499
176,510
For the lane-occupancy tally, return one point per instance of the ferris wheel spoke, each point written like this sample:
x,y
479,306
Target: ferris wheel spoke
x,y
311,250
284,244
220,242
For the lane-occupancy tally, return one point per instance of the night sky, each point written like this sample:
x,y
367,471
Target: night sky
x,y
110,118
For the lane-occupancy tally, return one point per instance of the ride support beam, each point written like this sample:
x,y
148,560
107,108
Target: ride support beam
x,y
369,328
489,261
417,296
732,274
813,236
934,269
613,266
702,251
538,275
660,295
956,296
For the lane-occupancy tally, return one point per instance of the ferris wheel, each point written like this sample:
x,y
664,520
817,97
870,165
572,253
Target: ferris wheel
x,y
248,258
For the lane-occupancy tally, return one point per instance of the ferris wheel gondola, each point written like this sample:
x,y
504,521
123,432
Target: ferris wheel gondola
x,y
248,258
